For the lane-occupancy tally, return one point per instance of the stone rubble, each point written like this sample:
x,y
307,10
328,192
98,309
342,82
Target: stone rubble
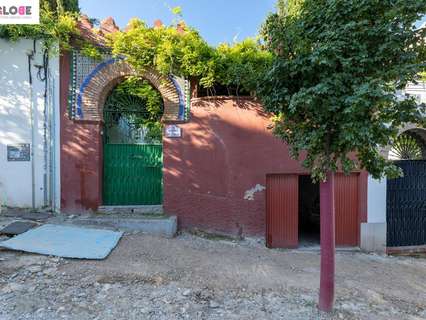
x,y
39,287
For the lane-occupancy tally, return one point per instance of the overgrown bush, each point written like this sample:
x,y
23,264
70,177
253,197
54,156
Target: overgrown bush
x,y
187,54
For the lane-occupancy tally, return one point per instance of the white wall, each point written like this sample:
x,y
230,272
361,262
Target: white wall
x,y
373,232
16,101
418,91
376,203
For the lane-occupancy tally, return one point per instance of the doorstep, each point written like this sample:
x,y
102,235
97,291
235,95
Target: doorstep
x,y
145,209
154,224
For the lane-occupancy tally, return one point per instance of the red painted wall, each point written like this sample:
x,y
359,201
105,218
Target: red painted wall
x,y
226,149
81,155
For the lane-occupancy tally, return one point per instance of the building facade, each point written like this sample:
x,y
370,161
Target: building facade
x,y
219,167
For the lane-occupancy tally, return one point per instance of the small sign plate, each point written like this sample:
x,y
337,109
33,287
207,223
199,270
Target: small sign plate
x,y
19,152
173,131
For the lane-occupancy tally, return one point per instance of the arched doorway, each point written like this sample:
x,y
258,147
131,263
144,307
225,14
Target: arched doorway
x,y
406,196
90,91
132,144
96,86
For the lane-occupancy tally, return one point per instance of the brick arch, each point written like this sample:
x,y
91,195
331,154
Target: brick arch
x,y
105,76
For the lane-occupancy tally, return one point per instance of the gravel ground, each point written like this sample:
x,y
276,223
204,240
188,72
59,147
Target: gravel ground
x,y
190,277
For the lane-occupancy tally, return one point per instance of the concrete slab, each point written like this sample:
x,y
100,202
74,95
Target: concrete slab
x,y
26,215
163,226
65,241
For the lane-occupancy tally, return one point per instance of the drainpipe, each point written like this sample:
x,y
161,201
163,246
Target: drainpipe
x,y
42,75
30,55
52,145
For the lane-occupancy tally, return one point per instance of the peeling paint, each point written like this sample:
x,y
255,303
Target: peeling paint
x,y
249,194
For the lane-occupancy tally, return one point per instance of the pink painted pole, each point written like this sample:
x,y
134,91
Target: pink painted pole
x,y
327,221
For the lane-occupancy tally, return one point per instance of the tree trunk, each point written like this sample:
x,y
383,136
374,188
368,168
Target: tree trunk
x,y
327,218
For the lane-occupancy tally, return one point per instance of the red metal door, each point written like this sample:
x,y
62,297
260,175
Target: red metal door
x,y
282,211
346,206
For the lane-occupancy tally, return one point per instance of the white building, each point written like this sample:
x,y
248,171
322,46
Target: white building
x,y
374,231
418,91
29,126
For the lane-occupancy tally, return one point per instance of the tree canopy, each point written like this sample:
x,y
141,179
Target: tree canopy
x,y
332,85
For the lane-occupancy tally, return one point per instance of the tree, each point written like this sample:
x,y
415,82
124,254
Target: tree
x,y
337,65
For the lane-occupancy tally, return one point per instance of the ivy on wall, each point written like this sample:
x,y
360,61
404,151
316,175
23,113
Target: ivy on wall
x,y
137,97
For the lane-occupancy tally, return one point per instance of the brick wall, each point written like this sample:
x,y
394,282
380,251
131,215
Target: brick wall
x,y
213,175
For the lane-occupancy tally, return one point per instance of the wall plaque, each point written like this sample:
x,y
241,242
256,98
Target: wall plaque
x,y
19,152
173,131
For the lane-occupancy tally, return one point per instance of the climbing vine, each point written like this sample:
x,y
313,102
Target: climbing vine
x,y
89,50
146,102
180,50
142,89
239,65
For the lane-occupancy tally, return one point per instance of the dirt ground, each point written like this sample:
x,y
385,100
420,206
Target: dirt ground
x,y
190,277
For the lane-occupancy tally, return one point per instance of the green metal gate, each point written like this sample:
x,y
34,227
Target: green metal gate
x,y
133,159
133,174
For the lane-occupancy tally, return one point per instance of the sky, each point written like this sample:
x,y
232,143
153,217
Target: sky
x,y
421,22
217,20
